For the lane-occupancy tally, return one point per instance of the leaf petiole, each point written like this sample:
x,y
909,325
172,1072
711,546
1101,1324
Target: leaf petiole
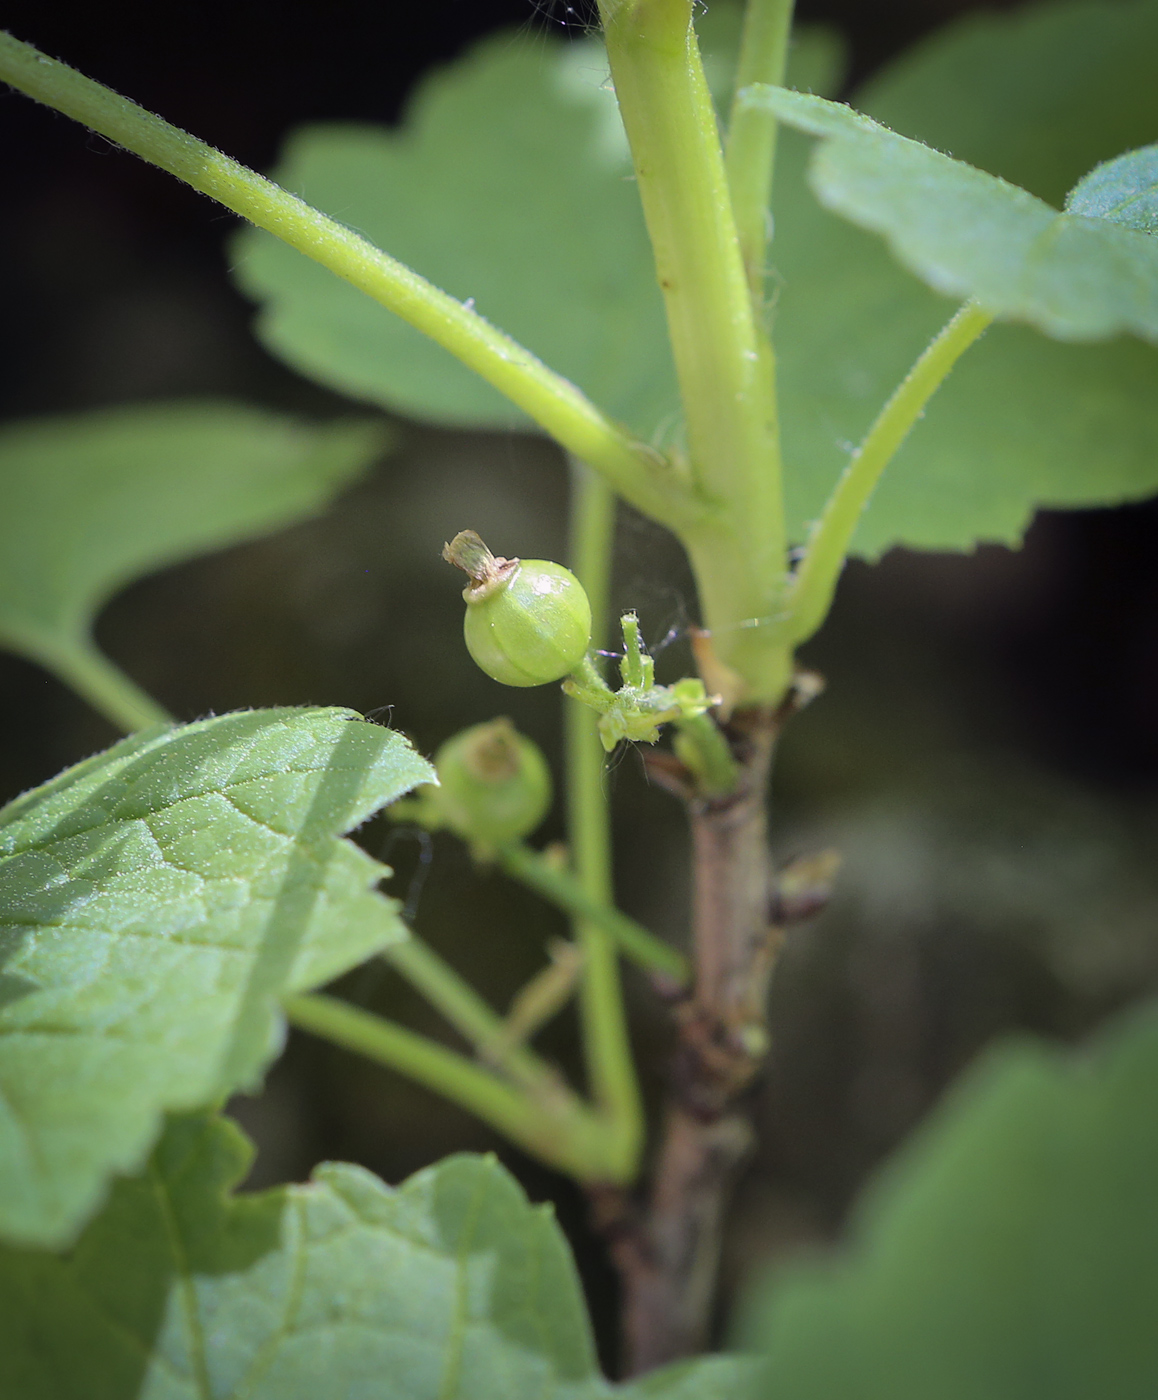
x,y
815,581
636,471
562,888
751,147
554,1125
88,671
610,1064
465,1010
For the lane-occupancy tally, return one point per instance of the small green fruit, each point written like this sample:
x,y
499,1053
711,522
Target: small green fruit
x,y
534,629
495,786
527,621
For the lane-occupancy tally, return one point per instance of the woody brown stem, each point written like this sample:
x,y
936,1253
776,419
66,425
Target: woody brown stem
x,y
667,1249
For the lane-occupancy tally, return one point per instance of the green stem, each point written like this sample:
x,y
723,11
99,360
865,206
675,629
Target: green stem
x,y
586,684
554,1126
723,361
751,148
636,668
636,471
104,685
532,869
700,744
671,124
607,1046
816,579
591,539
465,1010
743,612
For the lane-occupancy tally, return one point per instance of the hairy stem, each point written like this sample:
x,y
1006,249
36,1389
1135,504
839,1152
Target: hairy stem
x,y
723,360
552,1124
671,125
560,409
816,579
88,671
464,1009
751,147
607,1047
564,889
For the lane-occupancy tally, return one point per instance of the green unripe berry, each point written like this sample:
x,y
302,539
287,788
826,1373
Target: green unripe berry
x,y
494,785
527,621
534,629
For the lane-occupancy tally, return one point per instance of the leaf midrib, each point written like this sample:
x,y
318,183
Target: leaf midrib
x,y
185,1285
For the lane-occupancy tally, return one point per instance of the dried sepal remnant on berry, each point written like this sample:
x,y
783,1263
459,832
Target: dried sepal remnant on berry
x,y
528,621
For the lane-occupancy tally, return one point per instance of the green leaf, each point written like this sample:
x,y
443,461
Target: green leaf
x,y
509,185
451,1287
1012,1249
156,902
972,235
92,501
1125,191
1037,96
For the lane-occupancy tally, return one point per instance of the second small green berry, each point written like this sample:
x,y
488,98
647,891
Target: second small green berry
x,y
494,785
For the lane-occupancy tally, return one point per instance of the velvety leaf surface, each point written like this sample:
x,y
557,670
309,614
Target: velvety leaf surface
x,y
155,902
1125,191
90,501
969,234
451,1287
510,185
1037,96
1011,1251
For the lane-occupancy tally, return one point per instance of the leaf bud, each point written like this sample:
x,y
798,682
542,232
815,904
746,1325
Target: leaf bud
x,y
495,786
527,621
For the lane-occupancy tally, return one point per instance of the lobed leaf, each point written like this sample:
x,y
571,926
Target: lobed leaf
x,y
510,184
91,501
451,1287
972,235
156,901
1011,1250
1037,95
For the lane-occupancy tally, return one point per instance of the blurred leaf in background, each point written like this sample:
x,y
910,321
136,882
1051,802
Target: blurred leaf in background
x,y
510,185
1010,1250
89,502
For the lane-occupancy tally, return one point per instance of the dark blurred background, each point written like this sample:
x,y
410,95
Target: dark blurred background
x,y
986,755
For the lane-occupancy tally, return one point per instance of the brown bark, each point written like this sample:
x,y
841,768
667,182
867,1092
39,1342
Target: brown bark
x,y
667,1254
667,1249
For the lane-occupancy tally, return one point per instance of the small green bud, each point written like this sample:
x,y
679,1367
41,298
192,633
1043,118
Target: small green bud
x,y
495,786
527,621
